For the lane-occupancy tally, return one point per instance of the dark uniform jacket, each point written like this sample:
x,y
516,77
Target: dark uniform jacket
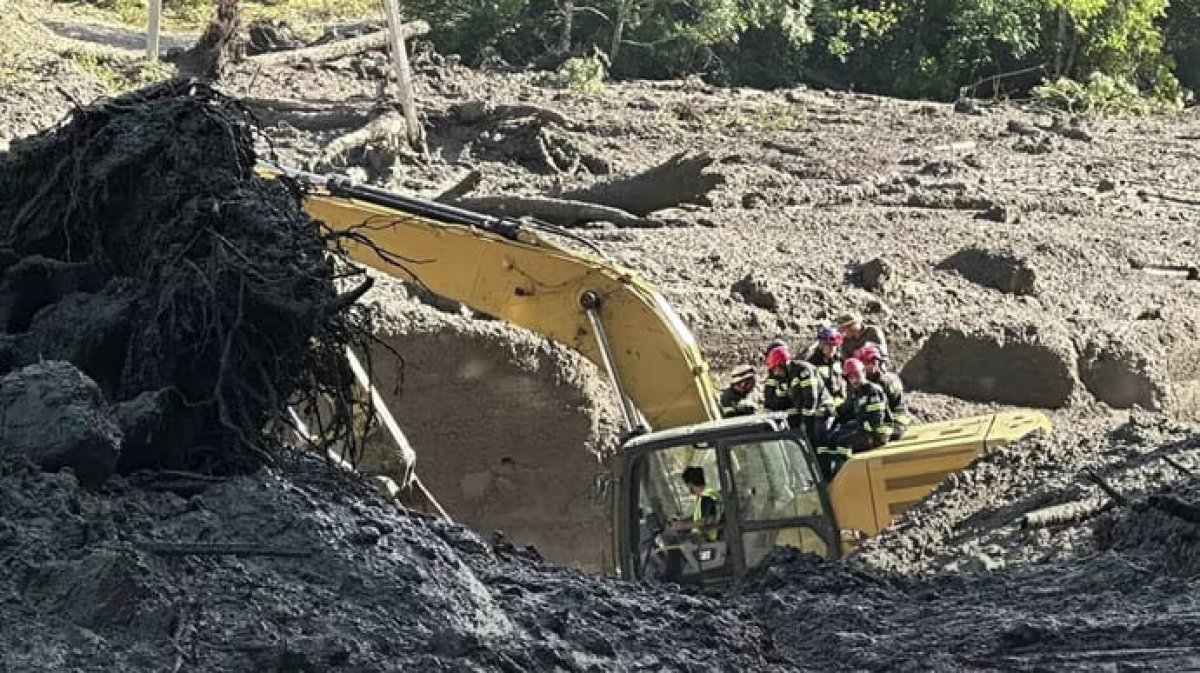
x,y
733,403
830,371
866,409
893,388
799,391
867,333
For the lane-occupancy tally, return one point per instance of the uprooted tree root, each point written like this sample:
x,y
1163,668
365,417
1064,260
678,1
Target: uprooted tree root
x,y
218,289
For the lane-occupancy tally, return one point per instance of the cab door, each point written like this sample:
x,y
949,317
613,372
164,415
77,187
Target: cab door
x,y
776,500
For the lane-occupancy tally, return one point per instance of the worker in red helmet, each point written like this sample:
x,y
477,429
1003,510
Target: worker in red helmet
x,y
733,398
865,424
875,359
794,386
826,356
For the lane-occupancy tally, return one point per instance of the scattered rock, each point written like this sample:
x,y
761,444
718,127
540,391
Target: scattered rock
x,y
1023,128
1106,185
752,200
940,168
998,212
1000,270
756,292
1075,129
873,275
54,416
968,106
1041,144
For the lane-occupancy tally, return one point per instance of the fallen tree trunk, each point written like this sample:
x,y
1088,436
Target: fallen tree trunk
x,y
475,111
389,128
556,211
335,50
306,116
678,180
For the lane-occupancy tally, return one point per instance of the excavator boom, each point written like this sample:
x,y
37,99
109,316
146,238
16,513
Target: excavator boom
x,y
507,269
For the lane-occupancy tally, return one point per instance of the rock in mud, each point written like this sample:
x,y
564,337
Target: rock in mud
x,y
54,416
872,276
1028,365
997,269
756,292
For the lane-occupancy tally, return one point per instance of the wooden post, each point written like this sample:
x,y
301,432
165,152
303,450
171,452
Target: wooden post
x,y
416,136
152,31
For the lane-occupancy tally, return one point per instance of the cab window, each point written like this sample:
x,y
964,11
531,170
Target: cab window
x,y
776,483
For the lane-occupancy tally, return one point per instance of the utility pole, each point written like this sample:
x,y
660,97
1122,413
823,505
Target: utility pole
x,y
416,135
153,29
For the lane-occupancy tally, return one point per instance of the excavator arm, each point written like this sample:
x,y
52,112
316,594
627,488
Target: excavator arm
x,y
507,268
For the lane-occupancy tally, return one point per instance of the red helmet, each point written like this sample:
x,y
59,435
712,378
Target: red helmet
x,y
778,357
853,368
869,353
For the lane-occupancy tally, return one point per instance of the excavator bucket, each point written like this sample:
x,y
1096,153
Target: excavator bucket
x,y
873,488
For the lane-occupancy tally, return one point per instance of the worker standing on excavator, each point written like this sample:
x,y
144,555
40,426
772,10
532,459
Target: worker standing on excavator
x,y
865,420
856,333
826,356
795,386
875,359
733,398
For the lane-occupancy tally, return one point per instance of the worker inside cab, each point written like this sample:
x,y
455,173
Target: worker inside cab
x,y
875,359
708,512
680,553
865,422
733,399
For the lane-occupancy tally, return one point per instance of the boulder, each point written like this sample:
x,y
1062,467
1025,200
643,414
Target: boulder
x,y
54,416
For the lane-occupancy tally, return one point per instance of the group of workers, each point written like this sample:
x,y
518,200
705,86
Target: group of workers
x,y
839,391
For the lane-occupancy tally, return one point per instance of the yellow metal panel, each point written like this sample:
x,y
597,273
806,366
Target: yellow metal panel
x,y
872,488
537,285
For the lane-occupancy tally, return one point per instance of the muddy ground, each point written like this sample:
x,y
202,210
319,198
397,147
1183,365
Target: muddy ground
x,y
1012,244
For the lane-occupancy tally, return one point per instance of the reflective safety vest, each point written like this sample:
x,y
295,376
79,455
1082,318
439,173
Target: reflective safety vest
x,y
712,534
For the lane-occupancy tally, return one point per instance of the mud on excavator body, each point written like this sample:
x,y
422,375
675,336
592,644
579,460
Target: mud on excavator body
x,y
611,316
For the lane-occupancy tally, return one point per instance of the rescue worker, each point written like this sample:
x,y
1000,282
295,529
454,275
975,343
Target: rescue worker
x,y
708,513
733,398
826,356
875,359
865,420
795,386
857,333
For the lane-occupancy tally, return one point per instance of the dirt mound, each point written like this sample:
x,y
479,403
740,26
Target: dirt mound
x,y
140,246
509,428
999,270
977,518
1021,365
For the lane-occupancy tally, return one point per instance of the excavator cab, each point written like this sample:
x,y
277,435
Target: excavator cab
x,y
765,478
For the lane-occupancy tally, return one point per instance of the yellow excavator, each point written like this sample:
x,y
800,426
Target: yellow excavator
x,y
766,474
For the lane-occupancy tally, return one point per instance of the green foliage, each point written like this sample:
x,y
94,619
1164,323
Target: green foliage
x,y
580,74
118,74
1105,95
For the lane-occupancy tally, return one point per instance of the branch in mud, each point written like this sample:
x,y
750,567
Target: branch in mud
x,y
335,50
461,188
480,111
219,549
556,211
678,180
217,46
1070,512
306,116
388,128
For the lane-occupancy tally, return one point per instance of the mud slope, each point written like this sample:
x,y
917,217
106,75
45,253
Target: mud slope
x,y
509,428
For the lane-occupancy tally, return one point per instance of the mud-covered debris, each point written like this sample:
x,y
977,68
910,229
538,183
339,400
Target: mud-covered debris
x,y
756,292
968,106
873,275
1116,374
998,212
55,417
1022,128
998,269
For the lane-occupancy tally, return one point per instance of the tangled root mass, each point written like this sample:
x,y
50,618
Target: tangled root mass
x,y
207,285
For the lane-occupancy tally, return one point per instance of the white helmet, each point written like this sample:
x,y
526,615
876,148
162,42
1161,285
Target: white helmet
x,y
742,373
